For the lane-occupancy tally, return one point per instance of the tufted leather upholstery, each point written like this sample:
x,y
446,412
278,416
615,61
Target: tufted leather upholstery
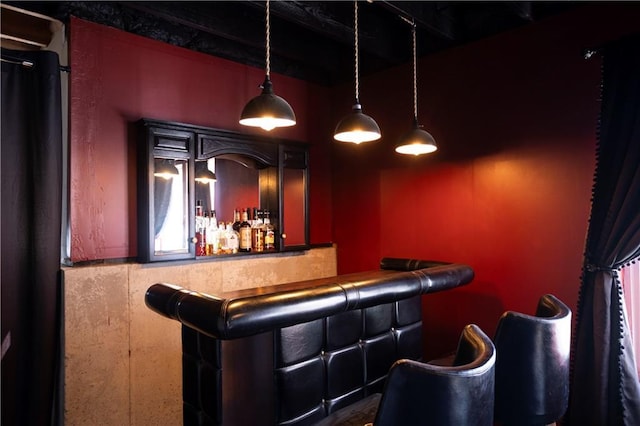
x,y
419,393
532,367
331,340
235,317
324,365
201,375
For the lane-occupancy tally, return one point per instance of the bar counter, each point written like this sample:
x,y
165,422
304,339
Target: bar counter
x,y
306,348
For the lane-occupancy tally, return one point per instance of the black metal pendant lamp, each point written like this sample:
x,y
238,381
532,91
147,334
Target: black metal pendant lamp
x,y
417,141
165,168
203,174
268,110
357,127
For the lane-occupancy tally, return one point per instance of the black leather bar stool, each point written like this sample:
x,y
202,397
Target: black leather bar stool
x,y
417,393
532,364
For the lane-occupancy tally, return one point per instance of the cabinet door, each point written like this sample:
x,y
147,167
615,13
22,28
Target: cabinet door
x,y
294,197
165,216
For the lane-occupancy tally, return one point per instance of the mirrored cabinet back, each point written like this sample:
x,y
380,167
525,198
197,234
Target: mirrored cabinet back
x,y
209,193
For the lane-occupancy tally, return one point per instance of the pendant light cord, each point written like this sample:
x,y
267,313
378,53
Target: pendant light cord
x,y
415,73
355,30
268,44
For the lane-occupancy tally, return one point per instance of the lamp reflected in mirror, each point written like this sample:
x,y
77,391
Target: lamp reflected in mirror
x,y
203,174
165,168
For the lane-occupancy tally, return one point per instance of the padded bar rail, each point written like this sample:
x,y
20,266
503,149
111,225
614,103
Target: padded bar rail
x,y
402,264
238,317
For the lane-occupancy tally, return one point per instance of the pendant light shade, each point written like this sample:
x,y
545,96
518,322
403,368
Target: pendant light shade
x,y
205,176
267,110
357,127
416,141
165,169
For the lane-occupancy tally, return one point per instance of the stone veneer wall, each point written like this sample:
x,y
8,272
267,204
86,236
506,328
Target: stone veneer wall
x,y
122,360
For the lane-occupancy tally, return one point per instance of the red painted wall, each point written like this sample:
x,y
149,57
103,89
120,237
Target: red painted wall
x,y
508,191
118,78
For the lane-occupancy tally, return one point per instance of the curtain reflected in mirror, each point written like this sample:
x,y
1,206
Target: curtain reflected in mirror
x,y
171,206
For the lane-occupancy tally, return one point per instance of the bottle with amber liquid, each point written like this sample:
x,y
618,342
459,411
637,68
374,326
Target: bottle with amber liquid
x,y
269,233
245,233
201,244
257,231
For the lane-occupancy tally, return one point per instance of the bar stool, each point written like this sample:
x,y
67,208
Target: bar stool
x,y
418,393
532,364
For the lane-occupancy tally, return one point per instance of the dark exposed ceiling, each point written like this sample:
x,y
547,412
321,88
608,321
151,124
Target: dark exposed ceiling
x,y
310,40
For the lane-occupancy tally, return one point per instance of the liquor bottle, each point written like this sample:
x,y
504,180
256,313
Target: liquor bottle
x,y
222,239
201,248
213,218
232,239
213,243
205,228
236,220
269,233
257,231
245,232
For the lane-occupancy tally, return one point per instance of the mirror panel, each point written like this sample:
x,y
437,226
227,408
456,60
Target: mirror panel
x,y
171,207
238,188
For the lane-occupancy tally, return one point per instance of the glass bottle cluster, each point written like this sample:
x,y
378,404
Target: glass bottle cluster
x,y
250,231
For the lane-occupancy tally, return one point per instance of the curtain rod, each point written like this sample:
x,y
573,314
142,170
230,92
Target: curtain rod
x,y
28,64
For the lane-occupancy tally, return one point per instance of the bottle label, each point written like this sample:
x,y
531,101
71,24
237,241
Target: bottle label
x,y
201,246
245,238
269,240
258,239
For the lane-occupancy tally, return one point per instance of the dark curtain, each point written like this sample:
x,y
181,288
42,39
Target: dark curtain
x,y
604,386
31,221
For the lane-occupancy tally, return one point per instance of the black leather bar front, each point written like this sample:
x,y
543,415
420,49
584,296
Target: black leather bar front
x,y
308,348
235,317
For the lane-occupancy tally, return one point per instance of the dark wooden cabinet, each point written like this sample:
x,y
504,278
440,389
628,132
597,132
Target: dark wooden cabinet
x,y
252,171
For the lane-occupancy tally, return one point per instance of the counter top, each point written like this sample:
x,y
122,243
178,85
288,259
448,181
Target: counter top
x,y
248,312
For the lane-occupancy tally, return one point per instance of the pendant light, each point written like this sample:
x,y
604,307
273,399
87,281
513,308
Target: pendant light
x,y
357,127
165,169
416,141
203,174
267,110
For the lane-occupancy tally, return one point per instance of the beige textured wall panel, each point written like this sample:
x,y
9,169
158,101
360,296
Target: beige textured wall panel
x,y
96,346
156,347
278,269
123,362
